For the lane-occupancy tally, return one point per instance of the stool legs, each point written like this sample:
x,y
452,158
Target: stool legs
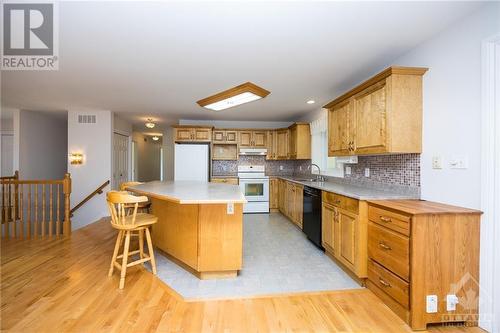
x,y
150,250
141,244
115,252
124,259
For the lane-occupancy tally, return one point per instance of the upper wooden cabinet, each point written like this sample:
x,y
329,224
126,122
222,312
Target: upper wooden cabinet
x,y
382,115
192,133
252,139
225,136
299,141
282,144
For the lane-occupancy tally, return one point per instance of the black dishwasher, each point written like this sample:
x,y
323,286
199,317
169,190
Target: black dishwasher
x,y
312,215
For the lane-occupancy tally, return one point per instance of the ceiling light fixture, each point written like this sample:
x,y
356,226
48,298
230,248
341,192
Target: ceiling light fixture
x,y
244,93
149,123
311,101
155,138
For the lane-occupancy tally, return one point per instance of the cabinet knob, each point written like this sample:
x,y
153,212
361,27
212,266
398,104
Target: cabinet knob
x,y
385,219
384,283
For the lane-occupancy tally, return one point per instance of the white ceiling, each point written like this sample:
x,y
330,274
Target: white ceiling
x,y
157,59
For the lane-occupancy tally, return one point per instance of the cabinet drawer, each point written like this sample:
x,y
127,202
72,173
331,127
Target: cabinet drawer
x,y
341,201
232,181
389,219
390,249
391,284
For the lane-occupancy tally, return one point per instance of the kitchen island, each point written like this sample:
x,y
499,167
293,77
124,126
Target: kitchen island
x,y
200,225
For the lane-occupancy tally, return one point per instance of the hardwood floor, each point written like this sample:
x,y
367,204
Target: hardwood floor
x,y
62,286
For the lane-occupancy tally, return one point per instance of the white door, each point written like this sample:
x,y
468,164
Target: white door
x,y
7,155
120,160
191,162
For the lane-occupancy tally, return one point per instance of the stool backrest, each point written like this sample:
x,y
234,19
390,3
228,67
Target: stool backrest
x,y
120,203
124,185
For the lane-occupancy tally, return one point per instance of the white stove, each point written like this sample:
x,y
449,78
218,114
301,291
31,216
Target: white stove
x,y
255,186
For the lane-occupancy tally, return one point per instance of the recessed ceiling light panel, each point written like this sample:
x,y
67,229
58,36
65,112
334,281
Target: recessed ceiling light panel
x,y
311,101
244,93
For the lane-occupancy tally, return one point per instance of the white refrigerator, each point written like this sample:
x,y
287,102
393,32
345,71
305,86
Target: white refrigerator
x,y
192,162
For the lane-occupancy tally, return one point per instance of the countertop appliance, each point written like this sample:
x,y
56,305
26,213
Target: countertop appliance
x,y
192,162
255,186
312,215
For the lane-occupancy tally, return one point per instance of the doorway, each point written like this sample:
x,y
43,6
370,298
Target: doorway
x,y
120,160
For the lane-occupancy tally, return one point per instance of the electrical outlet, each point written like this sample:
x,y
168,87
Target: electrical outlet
x,y
459,162
300,167
281,168
367,172
230,208
437,162
451,302
431,303
347,170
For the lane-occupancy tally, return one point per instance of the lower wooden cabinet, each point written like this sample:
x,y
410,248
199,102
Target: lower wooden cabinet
x,y
225,180
290,201
274,194
344,231
419,248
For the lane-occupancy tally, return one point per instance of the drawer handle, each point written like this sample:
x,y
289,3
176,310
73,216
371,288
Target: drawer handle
x,y
384,246
337,202
385,219
385,284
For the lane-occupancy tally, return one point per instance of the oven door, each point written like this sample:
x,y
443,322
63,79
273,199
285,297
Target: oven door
x,y
255,189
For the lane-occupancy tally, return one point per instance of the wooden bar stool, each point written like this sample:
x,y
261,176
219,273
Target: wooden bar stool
x,y
127,223
143,206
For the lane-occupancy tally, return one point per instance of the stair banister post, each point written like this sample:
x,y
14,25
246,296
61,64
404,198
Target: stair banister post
x,y
67,208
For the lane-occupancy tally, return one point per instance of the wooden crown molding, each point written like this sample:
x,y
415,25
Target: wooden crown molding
x,y
245,87
380,76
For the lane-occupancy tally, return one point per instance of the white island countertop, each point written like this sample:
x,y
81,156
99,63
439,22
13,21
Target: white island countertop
x,y
191,192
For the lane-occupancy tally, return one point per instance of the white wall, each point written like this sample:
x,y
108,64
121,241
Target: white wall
x,y
148,157
122,126
95,142
452,104
168,154
42,145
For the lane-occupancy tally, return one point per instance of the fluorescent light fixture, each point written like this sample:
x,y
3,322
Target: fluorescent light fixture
x,y
244,93
149,123
311,101
155,138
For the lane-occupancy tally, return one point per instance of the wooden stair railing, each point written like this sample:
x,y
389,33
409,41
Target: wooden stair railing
x,y
90,196
33,208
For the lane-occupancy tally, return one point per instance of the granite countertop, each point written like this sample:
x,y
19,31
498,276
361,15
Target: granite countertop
x,y
352,191
191,192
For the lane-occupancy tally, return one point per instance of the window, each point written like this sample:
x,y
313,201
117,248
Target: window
x,y
319,148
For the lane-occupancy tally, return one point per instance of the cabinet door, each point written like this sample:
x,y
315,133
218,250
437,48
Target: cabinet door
x,y
339,129
273,194
370,119
218,136
281,196
271,135
327,222
282,144
290,201
202,134
346,236
231,137
292,140
245,138
183,134
299,204
259,139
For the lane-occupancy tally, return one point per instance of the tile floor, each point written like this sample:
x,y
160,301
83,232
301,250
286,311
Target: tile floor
x,y
277,258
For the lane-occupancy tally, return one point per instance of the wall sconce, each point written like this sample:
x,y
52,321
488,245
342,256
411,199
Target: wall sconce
x,y
76,158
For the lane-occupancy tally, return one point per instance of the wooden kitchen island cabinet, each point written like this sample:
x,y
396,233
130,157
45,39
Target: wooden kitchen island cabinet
x,y
200,225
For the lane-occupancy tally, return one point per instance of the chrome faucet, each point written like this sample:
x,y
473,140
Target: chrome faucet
x,y
319,177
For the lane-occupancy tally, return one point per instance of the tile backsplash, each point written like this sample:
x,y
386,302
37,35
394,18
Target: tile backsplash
x,y
401,170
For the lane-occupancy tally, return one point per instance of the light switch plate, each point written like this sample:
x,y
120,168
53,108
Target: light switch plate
x,y
230,208
347,170
367,172
459,162
437,162
451,302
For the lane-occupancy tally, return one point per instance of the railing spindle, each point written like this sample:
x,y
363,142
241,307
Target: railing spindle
x,y
67,193
21,210
14,211
43,210
28,212
58,213
51,223
36,211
